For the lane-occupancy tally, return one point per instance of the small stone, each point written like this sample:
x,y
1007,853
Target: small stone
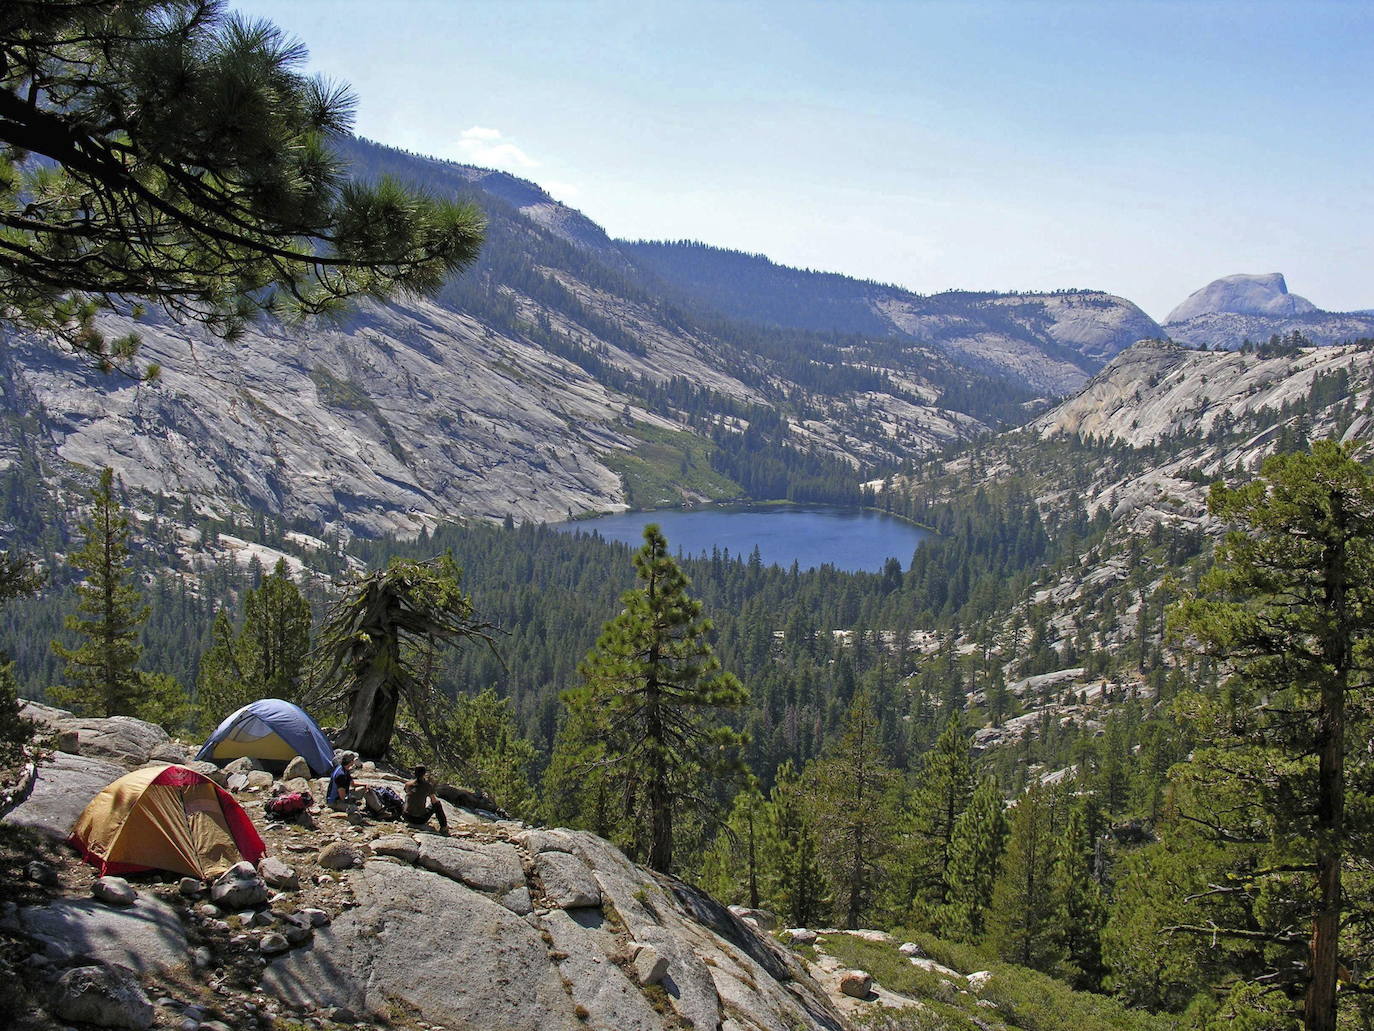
x,y
273,944
41,873
114,890
857,984
264,918
190,886
650,965
187,1024
910,949
215,1025
209,910
297,928
342,855
317,917
237,782
203,958
323,879
343,1015
800,936
978,980
242,764
277,874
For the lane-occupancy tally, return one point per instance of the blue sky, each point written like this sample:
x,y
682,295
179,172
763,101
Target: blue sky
x,y
1143,148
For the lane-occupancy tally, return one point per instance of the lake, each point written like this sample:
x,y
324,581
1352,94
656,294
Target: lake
x,y
811,535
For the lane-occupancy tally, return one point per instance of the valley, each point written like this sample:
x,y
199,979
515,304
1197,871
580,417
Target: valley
x,y
984,512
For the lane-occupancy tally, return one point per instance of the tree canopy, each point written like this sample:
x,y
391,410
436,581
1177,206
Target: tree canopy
x,y
166,151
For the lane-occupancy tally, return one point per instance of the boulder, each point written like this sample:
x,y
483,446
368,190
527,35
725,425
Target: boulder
x,y
123,739
236,781
297,768
41,873
342,855
568,882
273,944
239,887
398,846
114,890
543,840
477,966
317,917
242,764
65,786
910,949
486,866
145,937
759,918
276,874
650,965
978,980
300,784
104,995
857,984
258,780
799,936
211,770
190,886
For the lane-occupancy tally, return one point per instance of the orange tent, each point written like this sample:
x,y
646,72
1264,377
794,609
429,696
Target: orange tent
x,y
166,818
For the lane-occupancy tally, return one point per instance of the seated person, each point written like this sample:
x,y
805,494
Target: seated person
x,y
421,802
340,791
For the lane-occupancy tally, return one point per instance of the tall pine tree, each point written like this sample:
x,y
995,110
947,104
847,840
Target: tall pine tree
x,y
100,675
854,805
658,685
975,855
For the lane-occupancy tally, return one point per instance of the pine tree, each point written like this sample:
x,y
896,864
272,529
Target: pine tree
x,y
790,854
220,684
373,635
853,809
1024,920
1079,896
100,673
659,684
733,868
1290,603
183,159
975,855
944,787
276,636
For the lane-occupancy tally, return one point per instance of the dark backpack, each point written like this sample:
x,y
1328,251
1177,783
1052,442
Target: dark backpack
x,y
283,807
390,799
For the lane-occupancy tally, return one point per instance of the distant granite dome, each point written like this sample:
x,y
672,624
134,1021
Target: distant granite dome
x,y
1242,295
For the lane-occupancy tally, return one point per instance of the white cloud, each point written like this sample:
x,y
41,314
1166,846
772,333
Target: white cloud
x,y
491,148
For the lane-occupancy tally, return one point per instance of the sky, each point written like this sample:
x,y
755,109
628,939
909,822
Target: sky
x,y
1144,148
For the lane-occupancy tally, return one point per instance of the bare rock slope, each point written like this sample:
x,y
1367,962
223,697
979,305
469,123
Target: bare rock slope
x,y
500,925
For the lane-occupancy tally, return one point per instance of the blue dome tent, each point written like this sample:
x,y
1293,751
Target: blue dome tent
x,y
272,731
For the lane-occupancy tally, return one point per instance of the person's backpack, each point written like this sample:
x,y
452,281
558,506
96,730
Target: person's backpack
x,y
390,798
284,807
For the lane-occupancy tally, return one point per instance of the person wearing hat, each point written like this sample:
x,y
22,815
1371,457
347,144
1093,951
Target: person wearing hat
x,y
422,803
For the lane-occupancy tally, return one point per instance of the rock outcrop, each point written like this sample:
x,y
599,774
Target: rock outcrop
x,y
1227,312
500,925
1243,295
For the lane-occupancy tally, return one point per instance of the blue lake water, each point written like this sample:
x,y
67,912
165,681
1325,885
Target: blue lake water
x,y
812,535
